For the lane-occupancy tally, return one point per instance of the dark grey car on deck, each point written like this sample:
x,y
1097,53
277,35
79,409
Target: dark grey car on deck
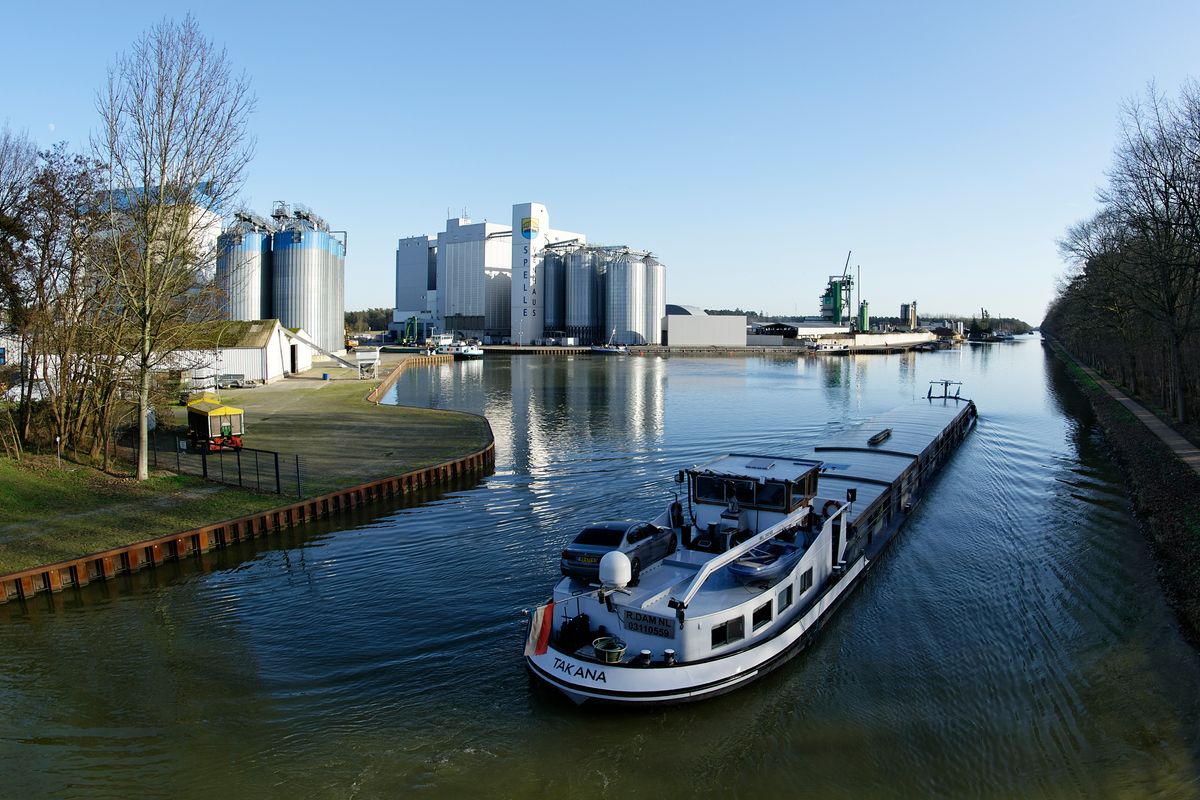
x,y
644,542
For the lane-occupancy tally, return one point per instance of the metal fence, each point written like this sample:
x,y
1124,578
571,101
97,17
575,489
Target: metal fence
x,y
250,468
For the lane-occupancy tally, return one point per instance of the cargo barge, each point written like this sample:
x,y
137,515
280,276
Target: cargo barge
x,y
761,550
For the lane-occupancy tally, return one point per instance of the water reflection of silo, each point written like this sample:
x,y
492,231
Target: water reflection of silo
x,y
635,393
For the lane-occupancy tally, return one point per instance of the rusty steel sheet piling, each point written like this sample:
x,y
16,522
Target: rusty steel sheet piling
x,y
79,572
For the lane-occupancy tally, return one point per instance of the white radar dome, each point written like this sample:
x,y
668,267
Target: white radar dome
x,y
615,570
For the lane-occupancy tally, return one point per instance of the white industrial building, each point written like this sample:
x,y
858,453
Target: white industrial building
x,y
259,351
527,282
689,326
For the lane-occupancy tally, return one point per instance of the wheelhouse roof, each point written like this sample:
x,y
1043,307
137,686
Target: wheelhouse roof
x,y
772,468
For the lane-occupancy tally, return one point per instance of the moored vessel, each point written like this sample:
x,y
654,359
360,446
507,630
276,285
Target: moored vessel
x,y
461,350
763,549
610,348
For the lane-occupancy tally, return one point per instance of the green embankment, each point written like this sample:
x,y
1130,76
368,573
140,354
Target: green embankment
x,y
50,513
1166,497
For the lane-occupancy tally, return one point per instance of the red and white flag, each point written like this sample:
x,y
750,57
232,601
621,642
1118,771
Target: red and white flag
x,y
540,623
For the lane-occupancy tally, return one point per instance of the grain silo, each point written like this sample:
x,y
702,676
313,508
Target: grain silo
x,y
656,299
554,287
626,297
585,294
308,287
244,267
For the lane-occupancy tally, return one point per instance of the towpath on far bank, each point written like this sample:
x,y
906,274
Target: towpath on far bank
x,y
1187,452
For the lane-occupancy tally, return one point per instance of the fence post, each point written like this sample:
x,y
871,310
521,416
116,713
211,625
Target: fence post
x,y
257,478
204,459
299,493
278,482
238,452
178,458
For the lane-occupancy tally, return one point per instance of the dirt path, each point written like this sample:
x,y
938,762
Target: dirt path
x,y
1187,452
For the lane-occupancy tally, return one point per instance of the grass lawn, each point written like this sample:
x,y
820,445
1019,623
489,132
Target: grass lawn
x,y
52,513
344,439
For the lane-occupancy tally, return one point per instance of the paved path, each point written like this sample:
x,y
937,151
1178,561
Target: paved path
x,y
1187,452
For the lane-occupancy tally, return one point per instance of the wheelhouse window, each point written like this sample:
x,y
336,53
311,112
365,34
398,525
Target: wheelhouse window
x,y
729,632
761,617
771,495
806,581
784,600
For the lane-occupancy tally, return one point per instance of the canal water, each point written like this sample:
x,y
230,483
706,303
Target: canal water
x,y
1013,641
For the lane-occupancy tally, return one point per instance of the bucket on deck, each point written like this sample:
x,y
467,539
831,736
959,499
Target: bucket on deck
x,y
609,649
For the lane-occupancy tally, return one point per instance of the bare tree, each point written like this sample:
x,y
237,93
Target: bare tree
x,y
1137,261
175,147
18,161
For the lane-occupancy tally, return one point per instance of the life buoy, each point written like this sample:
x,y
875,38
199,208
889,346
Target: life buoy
x,y
829,505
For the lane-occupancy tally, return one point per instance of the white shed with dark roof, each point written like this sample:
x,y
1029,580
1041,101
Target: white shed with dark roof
x,y
247,351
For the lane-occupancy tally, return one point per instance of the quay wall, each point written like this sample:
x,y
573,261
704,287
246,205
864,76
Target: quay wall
x,y
153,552
105,564
421,361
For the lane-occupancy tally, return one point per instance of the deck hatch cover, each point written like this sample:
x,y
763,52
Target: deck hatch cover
x,y
760,463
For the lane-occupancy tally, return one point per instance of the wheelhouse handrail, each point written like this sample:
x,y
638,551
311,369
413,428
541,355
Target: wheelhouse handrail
x,y
733,554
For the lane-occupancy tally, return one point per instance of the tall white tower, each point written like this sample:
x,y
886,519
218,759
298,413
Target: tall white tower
x,y
531,227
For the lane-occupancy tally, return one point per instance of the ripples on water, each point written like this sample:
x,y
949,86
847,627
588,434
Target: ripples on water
x,y
1011,643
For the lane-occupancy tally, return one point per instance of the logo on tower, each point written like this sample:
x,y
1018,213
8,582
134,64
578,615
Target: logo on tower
x,y
529,227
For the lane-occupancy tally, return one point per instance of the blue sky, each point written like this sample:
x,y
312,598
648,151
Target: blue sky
x,y
748,145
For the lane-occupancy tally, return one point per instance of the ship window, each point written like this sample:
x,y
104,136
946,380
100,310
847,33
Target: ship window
x,y
762,616
729,632
771,495
785,598
806,581
742,490
710,490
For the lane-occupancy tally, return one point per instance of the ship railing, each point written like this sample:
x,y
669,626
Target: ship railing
x,y
944,389
791,521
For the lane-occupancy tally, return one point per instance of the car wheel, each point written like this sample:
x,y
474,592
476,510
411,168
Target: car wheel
x,y
637,572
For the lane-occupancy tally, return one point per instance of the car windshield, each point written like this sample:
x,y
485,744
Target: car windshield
x,y
603,537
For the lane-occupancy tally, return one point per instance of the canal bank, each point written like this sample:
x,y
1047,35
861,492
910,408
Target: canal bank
x,y
90,526
1163,485
1013,643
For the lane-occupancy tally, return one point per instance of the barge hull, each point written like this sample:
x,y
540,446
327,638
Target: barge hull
x,y
888,483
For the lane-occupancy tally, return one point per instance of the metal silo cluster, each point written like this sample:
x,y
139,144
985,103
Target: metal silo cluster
x,y
292,269
608,292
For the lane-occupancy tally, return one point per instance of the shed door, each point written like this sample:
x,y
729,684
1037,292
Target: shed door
x,y
295,357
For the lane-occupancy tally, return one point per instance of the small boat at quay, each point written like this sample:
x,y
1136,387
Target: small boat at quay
x,y
610,348
462,351
828,348
760,551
